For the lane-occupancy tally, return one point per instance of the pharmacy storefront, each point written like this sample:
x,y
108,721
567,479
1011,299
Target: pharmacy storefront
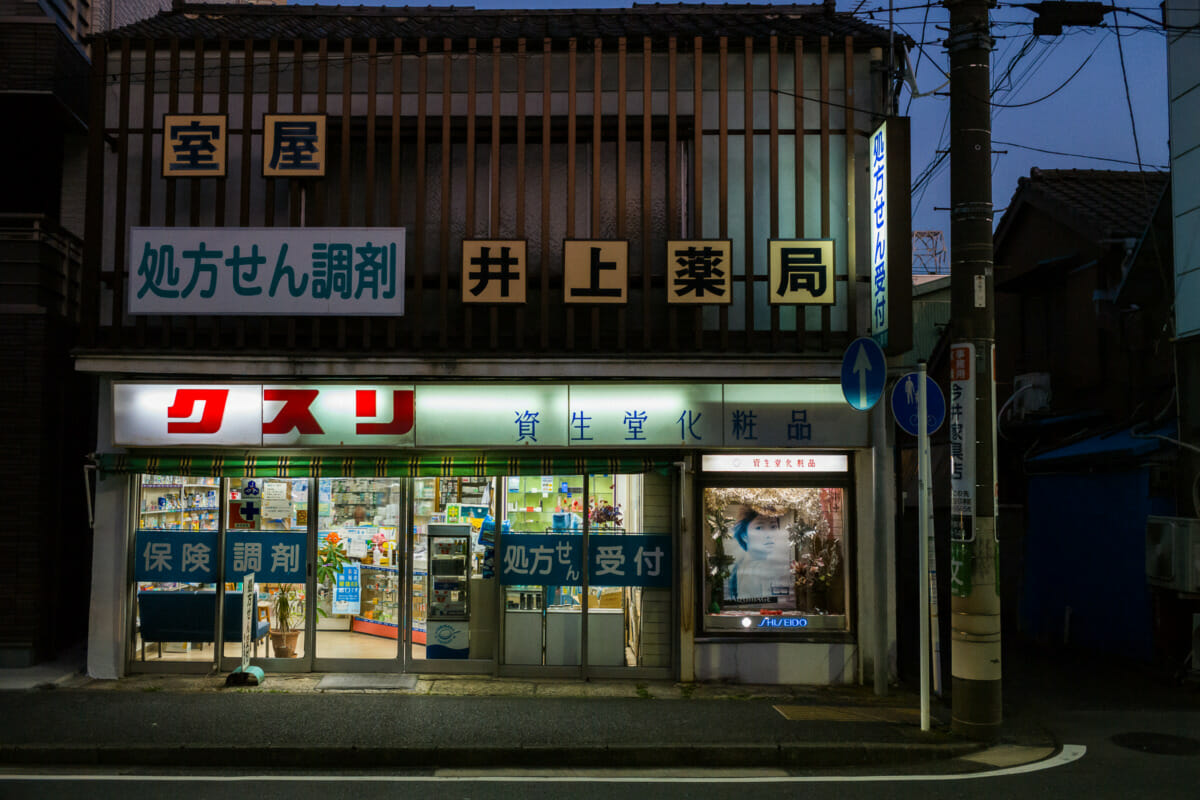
x,y
687,531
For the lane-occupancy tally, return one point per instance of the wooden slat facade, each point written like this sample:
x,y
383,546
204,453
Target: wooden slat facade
x,y
649,135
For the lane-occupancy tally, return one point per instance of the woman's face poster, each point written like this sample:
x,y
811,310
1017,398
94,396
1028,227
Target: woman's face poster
x,y
761,573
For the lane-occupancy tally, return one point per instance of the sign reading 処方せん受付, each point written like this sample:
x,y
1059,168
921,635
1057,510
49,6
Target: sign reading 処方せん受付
x,y
256,271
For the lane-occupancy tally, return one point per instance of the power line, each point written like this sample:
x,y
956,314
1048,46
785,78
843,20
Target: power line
x,y
1138,164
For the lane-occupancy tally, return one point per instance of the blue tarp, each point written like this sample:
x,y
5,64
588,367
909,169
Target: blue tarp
x,y
1120,444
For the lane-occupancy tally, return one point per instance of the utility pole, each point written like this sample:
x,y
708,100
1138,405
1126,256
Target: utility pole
x,y
974,560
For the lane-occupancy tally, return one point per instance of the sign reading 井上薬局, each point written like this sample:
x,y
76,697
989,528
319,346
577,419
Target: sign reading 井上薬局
x,y
257,271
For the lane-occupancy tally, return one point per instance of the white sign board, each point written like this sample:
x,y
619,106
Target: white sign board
x,y
249,616
265,271
742,416
962,442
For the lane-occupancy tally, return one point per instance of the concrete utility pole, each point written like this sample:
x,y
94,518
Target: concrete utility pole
x,y
974,568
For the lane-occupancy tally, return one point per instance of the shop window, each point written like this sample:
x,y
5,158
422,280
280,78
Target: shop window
x,y
175,567
775,559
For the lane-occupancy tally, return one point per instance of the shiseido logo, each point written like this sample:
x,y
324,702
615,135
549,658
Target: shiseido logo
x,y
783,622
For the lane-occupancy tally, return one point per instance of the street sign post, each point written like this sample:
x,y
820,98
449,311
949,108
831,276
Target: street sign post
x,y
246,675
864,371
905,400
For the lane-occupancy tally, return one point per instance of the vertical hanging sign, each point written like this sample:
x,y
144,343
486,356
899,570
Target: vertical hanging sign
x,y
891,236
962,466
879,236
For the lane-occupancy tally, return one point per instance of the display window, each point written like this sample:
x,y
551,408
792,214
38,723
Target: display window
x,y
175,567
775,558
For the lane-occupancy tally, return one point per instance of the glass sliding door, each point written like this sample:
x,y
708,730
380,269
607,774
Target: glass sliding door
x,y
359,574
175,570
266,533
453,620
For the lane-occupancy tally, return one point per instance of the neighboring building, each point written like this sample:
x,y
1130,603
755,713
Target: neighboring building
x,y
1085,376
1182,18
45,542
537,316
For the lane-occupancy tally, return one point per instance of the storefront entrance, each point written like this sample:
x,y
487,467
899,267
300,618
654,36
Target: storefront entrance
x,y
504,574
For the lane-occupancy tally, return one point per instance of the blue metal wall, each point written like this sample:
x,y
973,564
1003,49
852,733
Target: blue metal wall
x,y
1085,549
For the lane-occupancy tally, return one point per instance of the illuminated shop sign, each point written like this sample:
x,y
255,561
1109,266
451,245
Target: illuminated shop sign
x,y
774,462
624,415
890,224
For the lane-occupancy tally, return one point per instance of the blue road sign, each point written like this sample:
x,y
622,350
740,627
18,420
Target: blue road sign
x,y
904,403
864,371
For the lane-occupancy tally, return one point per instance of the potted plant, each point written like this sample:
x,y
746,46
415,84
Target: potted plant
x,y
817,565
288,615
331,559
720,565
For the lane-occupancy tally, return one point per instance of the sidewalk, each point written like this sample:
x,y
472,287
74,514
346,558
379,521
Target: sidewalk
x,y
59,716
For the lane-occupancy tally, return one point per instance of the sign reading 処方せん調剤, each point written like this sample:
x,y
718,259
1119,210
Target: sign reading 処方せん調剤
x,y
256,271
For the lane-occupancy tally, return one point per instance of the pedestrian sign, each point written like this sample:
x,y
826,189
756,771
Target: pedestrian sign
x,y
904,404
864,371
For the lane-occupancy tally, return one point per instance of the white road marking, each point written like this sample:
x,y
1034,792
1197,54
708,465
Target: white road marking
x,y
1068,754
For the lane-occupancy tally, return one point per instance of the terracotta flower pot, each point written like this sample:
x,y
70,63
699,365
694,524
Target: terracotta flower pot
x,y
283,643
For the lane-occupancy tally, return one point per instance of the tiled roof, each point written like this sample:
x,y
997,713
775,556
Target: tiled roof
x,y
683,20
1108,204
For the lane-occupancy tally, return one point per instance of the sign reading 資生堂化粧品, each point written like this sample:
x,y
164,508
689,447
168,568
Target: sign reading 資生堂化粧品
x,y
257,271
751,415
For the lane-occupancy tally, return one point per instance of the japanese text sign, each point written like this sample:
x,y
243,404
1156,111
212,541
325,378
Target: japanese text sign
x,y
879,235
493,271
293,145
194,145
630,560
175,556
801,272
779,415
263,271
595,271
962,443
700,271
536,559
347,590
744,415
613,560
628,414
274,556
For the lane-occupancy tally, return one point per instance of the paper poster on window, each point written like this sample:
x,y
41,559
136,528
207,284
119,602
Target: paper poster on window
x,y
275,502
347,590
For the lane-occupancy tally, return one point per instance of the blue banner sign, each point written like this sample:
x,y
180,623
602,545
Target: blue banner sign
x,y
613,560
536,559
176,556
630,560
346,591
274,556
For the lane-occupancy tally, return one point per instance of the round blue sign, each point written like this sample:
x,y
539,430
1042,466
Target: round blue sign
x,y
904,403
864,371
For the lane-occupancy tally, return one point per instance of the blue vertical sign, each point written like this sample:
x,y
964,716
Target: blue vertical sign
x,y
879,232
347,589
864,371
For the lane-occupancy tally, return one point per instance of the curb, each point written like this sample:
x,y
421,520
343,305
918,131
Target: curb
x,y
798,755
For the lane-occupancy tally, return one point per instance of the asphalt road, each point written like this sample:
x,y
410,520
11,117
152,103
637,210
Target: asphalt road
x,y
1097,762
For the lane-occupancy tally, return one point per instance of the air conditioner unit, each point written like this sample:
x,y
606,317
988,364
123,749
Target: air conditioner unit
x,y
1173,553
1031,392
